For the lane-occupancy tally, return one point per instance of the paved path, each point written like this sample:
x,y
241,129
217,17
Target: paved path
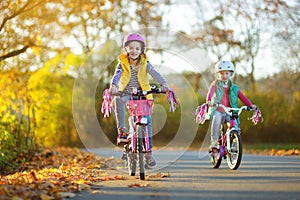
x,y
259,177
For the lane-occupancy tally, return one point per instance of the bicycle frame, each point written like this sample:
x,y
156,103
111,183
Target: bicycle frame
x,y
143,121
230,142
225,138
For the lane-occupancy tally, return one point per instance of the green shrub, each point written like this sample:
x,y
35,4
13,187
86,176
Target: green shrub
x,y
17,145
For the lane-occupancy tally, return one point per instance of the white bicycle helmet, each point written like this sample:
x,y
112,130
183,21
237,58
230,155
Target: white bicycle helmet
x,y
225,66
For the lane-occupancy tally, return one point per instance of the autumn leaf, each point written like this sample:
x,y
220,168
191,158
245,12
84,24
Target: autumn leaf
x,y
276,152
158,175
57,173
46,197
138,185
119,177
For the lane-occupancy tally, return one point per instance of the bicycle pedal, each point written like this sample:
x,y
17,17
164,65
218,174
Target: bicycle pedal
x,y
121,143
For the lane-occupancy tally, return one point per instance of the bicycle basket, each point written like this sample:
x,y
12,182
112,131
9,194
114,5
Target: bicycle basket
x,y
139,107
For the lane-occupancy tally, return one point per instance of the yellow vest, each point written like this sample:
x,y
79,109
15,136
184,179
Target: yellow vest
x,y
142,74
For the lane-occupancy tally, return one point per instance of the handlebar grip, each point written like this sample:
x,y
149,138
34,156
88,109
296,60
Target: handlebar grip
x,y
156,90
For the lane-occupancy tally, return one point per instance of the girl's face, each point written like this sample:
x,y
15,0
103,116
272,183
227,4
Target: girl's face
x,y
225,75
134,49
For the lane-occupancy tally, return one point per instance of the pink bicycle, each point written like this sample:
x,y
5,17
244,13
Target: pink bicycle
x,y
139,108
230,142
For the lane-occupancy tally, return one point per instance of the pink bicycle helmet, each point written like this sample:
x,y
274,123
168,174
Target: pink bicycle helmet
x,y
134,37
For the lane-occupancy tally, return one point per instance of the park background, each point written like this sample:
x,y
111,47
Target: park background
x,y
44,44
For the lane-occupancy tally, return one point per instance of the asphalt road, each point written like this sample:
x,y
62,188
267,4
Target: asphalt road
x,y
191,177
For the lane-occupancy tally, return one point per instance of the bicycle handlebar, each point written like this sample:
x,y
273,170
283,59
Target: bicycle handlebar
x,y
140,93
228,109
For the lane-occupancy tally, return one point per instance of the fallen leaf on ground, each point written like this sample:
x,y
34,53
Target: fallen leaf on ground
x,y
119,177
46,197
138,185
276,152
56,174
157,175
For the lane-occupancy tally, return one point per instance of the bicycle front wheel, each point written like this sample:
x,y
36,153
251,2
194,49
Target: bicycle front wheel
x,y
235,152
131,161
140,154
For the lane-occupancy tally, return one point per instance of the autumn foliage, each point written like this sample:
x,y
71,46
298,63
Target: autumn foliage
x,y
55,174
44,43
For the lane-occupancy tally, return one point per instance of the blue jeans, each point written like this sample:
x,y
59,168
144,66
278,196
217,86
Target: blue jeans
x,y
218,121
119,109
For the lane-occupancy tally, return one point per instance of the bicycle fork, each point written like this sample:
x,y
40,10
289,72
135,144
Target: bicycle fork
x,y
141,121
225,139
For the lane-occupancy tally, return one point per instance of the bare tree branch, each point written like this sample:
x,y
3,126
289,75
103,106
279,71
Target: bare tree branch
x,y
14,53
23,9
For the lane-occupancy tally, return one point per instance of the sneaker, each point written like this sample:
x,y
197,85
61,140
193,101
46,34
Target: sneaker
x,y
122,136
214,152
150,162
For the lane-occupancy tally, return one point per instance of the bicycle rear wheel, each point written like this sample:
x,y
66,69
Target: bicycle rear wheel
x,y
235,153
140,154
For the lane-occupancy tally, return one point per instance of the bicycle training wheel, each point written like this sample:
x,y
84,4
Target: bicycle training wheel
x,y
234,156
140,154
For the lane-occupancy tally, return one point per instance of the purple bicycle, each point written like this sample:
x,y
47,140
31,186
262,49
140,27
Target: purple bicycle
x,y
139,108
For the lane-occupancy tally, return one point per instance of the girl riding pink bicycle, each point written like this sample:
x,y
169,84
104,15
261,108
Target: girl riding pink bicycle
x,y
132,72
223,92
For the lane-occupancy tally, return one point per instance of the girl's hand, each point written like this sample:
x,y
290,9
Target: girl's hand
x,y
165,88
254,107
210,104
113,89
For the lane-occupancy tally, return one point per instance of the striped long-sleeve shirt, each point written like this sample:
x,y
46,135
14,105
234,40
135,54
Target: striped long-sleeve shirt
x,y
134,77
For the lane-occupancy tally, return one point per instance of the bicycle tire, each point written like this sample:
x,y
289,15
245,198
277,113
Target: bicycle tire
x,y
140,142
235,154
215,162
131,159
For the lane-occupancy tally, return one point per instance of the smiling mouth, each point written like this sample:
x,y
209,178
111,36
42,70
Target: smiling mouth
x,y
134,55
